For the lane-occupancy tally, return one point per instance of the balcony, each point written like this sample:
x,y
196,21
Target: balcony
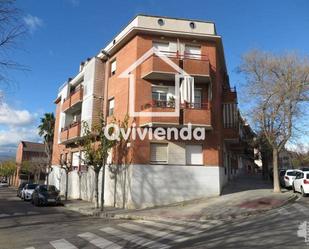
x,y
74,98
197,66
154,68
71,132
231,132
229,95
198,114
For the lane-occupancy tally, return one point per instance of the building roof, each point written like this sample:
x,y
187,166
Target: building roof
x,y
33,147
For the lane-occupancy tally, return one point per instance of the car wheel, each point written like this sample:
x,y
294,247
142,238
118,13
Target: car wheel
x,y
302,192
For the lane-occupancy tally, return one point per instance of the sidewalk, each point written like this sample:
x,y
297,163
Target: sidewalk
x,y
242,197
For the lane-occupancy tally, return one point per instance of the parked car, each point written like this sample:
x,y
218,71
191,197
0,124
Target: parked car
x,y
27,191
4,184
281,177
301,183
46,194
289,177
20,188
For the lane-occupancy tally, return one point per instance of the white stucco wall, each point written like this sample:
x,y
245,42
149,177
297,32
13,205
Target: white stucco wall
x,y
154,185
140,186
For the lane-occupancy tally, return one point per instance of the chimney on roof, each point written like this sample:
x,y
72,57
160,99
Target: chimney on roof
x,y
81,66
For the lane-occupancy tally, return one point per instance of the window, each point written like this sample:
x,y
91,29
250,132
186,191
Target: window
x,y
162,46
75,159
194,154
113,67
159,95
158,153
193,52
198,98
111,106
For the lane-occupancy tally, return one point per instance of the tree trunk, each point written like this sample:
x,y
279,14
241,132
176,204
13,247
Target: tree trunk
x,y
96,189
276,171
103,188
115,188
66,184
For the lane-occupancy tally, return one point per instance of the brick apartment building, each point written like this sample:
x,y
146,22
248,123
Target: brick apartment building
x,y
160,172
35,155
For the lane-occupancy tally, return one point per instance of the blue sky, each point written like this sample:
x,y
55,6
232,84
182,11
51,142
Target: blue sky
x,y
65,32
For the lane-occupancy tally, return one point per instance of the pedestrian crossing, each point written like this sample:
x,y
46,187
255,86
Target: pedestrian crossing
x,y
295,208
150,234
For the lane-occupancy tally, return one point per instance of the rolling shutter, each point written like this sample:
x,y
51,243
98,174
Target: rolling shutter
x,y
158,153
194,154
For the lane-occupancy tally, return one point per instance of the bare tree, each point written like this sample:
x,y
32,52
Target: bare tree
x,y
12,29
96,148
65,163
279,89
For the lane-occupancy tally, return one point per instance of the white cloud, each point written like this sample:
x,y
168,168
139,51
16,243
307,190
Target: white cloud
x,y
11,137
13,117
33,22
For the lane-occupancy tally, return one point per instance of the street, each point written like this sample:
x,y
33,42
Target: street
x,y
25,226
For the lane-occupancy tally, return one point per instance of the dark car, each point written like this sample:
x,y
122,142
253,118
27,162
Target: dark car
x,y
46,194
20,188
281,177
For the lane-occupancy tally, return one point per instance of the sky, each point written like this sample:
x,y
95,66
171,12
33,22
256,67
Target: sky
x,y
62,33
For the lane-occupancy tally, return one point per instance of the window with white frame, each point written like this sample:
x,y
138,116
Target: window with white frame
x,y
113,67
111,106
193,52
75,159
194,154
198,98
161,46
158,153
159,95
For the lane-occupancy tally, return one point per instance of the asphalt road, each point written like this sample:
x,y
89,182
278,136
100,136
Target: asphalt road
x,y
25,226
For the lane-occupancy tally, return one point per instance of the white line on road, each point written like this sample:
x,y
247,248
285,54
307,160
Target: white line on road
x,y
4,215
283,211
300,208
99,241
62,244
30,247
176,228
153,232
134,238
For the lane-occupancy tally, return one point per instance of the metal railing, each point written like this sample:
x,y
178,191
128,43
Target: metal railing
x,y
171,104
73,124
185,55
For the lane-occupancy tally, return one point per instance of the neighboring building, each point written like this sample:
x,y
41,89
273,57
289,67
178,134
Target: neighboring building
x,y
285,159
36,158
160,172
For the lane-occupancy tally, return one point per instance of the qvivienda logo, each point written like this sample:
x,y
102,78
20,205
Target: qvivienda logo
x,y
154,133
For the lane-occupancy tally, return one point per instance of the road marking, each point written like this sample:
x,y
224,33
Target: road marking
x,y
300,208
62,244
32,213
18,213
4,215
176,228
283,211
151,231
30,247
99,241
134,238
195,224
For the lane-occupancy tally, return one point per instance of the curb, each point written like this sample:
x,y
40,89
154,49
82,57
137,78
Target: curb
x,y
205,218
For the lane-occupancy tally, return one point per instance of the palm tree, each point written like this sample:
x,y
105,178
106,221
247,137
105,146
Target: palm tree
x,y
46,130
